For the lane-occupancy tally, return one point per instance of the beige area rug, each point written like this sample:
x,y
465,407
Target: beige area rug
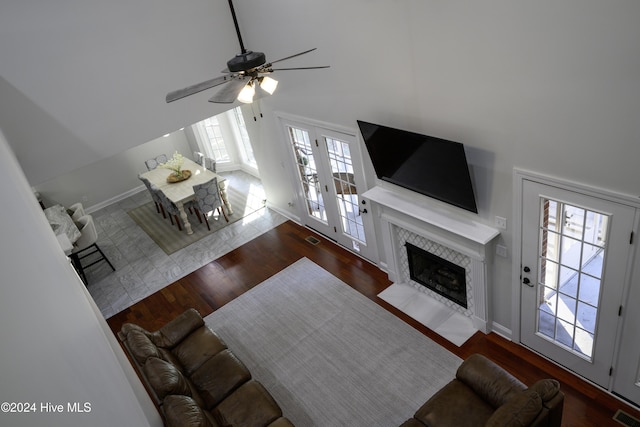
x,y
170,239
329,355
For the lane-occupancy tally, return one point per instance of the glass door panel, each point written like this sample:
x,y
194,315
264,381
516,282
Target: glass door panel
x,y
575,258
570,263
308,174
345,189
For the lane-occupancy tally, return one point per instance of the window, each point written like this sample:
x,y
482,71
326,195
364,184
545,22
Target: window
x,y
225,138
214,142
245,143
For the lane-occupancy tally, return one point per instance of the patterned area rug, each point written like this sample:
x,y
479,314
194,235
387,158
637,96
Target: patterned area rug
x,y
170,239
329,355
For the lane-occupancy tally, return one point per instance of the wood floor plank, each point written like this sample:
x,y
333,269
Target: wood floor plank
x,y
233,274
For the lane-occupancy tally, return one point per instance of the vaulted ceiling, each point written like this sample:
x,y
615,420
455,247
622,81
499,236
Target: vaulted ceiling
x,y
81,80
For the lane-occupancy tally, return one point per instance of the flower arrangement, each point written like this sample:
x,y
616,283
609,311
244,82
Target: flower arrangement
x,y
174,164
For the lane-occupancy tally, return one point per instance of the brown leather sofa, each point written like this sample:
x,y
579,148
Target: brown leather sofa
x,y
195,379
484,394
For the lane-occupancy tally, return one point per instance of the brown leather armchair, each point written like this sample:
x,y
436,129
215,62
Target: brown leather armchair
x,y
484,394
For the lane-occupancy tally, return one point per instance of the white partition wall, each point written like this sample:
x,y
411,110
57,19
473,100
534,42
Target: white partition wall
x,y
59,363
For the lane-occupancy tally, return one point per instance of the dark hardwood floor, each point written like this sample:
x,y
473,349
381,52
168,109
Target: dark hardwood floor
x,y
226,278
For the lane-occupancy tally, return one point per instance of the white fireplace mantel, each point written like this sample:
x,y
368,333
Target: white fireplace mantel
x,y
434,214
439,223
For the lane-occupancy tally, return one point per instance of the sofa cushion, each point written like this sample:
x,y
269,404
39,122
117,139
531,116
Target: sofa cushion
x,y
165,378
182,411
197,348
546,388
218,377
488,380
281,422
519,411
455,405
141,346
177,329
249,406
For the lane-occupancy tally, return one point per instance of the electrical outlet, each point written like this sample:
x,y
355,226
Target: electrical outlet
x,y
501,222
501,250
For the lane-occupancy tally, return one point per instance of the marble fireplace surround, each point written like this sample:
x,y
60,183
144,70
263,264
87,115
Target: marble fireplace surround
x,y
442,230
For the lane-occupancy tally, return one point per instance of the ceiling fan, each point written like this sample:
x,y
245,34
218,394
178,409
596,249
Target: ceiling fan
x,y
244,72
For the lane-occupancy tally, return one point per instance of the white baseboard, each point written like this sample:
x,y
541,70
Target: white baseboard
x,y
284,213
115,199
503,331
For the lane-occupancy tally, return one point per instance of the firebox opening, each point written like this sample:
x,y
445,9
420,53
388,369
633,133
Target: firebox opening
x,y
437,274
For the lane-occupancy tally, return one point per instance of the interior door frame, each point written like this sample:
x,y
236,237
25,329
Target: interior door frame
x,y
521,175
283,118
632,271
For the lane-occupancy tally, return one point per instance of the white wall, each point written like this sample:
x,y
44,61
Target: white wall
x,y
56,348
547,86
102,181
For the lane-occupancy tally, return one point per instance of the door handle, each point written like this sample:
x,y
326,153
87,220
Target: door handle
x,y
361,211
527,282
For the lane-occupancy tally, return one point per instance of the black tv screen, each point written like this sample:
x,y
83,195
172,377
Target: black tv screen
x,y
428,165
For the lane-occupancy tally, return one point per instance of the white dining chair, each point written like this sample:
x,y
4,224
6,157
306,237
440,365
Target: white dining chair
x,y
77,211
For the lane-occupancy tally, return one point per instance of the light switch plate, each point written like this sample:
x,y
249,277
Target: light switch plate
x,y
501,250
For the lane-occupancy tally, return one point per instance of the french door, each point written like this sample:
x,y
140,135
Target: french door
x,y
330,179
575,265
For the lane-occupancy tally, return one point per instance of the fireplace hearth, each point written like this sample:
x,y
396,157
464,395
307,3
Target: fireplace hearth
x,y
437,274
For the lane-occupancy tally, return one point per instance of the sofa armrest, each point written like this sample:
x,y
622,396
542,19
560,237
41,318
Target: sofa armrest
x,y
177,329
488,380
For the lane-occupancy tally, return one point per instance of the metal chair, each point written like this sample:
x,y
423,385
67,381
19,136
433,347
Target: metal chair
x,y
208,199
86,246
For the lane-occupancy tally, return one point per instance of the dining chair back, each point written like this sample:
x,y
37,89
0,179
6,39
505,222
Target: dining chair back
x,y
154,196
210,164
86,246
153,163
77,211
198,157
168,206
208,199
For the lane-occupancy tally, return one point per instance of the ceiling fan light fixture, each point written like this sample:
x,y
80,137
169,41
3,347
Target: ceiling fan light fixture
x,y
268,84
246,94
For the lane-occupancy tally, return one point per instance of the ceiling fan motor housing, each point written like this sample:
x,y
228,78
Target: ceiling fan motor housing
x,y
246,61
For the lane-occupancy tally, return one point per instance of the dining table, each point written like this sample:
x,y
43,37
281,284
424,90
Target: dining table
x,y
182,192
63,227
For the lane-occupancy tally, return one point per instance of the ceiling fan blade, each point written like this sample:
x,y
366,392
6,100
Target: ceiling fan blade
x,y
298,68
293,56
193,89
229,93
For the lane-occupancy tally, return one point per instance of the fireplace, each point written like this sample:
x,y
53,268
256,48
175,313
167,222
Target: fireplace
x,y
437,274
442,231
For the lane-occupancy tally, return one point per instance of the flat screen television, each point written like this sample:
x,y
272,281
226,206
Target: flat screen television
x,y
428,165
